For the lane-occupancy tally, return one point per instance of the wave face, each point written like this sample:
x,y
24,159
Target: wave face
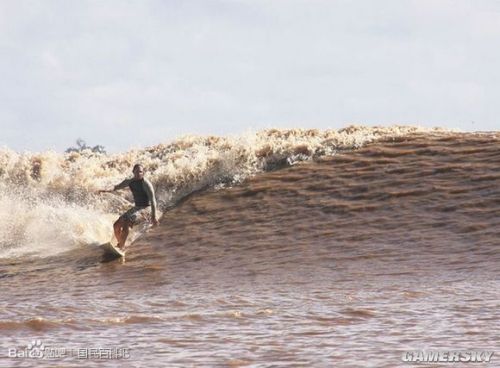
x,y
406,206
48,203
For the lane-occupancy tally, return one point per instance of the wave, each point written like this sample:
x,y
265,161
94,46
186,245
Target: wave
x,y
49,202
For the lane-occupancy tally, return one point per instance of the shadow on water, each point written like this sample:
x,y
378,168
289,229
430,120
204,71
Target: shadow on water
x,y
79,259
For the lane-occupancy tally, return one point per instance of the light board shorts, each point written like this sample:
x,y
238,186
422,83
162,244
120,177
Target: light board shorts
x,y
137,215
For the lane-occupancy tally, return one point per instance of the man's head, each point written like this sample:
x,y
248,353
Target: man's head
x,y
138,171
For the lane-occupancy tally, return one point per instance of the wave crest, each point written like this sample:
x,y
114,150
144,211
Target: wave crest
x,y
49,204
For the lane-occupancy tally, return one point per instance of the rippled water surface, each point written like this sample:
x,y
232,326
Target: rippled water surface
x,y
342,261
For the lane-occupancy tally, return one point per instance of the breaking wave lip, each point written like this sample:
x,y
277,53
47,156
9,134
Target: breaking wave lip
x,y
49,205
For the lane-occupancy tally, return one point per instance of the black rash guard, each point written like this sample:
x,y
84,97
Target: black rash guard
x,y
143,192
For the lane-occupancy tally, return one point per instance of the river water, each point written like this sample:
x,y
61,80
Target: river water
x,y
346,259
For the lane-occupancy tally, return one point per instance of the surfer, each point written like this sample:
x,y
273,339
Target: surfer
x,y
144,198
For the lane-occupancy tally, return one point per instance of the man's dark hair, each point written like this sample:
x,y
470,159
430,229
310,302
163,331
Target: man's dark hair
x,y
136,166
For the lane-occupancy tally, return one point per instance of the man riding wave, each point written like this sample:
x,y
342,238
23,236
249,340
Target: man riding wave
x,y
144,209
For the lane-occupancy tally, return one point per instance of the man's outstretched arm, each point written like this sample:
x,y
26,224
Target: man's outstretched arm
x,y
122,185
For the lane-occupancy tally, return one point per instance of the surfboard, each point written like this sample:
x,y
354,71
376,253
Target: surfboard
x,y
112,250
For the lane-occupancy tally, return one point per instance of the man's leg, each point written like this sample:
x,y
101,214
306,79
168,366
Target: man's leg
x,y
124,233
121,227
117,227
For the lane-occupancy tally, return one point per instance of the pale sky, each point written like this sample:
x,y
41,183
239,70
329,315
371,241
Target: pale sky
x,y
128,74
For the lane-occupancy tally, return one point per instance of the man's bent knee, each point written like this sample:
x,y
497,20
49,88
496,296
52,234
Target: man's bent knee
x,y
123,223
119,223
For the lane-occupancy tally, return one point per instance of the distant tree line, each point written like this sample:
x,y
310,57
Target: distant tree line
x,y
82,146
